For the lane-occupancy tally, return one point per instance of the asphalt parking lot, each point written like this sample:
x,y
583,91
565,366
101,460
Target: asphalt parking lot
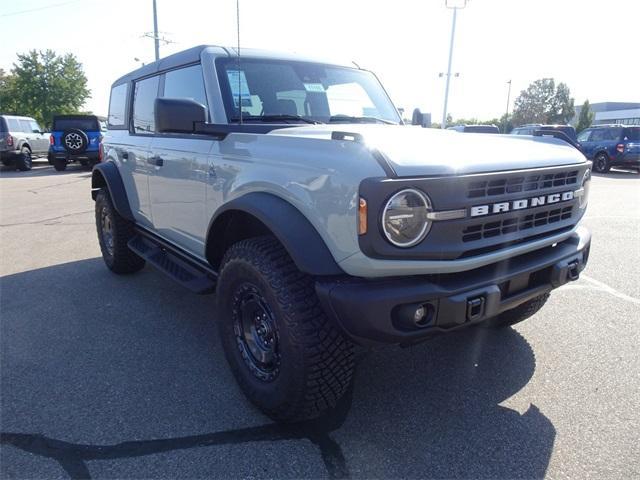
x,y
108,376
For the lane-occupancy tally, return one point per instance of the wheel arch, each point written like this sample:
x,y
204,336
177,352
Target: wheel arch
x,y
260,213
106,175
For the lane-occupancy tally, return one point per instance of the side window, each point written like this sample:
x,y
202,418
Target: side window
x,y
598,135
117,105
14,126
144,98
25,126
185,83
35,128
584,136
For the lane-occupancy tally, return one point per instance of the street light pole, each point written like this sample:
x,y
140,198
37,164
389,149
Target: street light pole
x,y
156,38
453,34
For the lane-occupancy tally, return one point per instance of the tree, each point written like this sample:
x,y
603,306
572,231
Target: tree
x,y
586,117
543,102
43,84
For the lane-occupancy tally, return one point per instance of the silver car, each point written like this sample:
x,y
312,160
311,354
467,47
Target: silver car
x,y
21,139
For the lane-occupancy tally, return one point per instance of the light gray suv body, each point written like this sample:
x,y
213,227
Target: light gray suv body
x,y
291,188
21,138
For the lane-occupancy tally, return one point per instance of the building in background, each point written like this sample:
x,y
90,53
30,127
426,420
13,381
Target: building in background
x,y
625,113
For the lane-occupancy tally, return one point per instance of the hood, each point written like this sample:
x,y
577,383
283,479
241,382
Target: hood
x,y
416,151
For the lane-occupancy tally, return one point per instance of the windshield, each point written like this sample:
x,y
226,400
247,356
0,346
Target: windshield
x,y
284,91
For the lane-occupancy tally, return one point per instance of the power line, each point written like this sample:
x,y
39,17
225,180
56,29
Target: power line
x,y
20,12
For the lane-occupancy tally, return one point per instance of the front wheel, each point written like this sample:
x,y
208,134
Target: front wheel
x,y
601,163
288,357
114,233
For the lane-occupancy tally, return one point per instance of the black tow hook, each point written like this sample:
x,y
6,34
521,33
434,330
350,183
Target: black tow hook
x,y
573,270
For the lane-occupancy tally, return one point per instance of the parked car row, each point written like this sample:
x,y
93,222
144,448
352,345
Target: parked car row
x,y
72,138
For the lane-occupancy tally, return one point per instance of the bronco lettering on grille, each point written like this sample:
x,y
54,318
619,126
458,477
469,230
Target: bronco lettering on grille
x,y
521,204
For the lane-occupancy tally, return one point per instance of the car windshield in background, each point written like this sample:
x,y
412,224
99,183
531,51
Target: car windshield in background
x,y
289,92
80,123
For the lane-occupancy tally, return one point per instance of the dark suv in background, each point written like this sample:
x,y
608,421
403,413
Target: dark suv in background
x,y
530,128
76,138
611,146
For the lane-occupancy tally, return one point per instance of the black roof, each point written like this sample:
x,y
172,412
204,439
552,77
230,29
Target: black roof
x,y
191,55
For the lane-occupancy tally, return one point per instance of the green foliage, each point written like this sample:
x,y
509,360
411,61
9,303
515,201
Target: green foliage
x,y
43,84
586,117
543,102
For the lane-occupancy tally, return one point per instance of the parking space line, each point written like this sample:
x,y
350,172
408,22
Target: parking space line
x,y
603,287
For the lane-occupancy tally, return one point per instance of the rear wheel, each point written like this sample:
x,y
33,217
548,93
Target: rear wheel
x,y
288,357
114,232
601,163
24,160
84,162
60,164
518,314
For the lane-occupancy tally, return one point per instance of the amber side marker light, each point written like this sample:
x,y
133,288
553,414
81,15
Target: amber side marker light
x,y
362,217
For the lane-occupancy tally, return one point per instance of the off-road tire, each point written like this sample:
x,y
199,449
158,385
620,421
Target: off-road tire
x,y
84,163
315,359
60,164
518,314
601,163
118,257
24,161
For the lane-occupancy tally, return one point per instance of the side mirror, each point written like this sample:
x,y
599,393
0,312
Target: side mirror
x,y
178,115
419,118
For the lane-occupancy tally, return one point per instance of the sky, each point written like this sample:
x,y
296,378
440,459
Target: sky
x,y
591,45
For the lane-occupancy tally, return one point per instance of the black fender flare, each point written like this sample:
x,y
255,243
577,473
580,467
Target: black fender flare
x,y
298,236
107,175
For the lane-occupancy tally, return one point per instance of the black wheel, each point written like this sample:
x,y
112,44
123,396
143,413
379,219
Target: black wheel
x,y
24,160
75,141
7,163
288,357
518,314
113,234
60,164
84,162
50,158
601,163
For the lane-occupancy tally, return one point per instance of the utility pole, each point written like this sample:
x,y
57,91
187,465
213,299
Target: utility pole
x,y
506,115
456,6
156,38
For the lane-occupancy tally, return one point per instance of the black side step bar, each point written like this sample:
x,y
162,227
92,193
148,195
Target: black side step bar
x,y
187,272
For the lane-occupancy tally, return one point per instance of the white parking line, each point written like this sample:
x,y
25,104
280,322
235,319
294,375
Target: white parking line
x,y
603,287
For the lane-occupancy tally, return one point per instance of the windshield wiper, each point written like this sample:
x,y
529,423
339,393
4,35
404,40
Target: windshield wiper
x,y
274,117
348,118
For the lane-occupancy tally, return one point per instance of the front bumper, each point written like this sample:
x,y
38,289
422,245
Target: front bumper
x,y
374,311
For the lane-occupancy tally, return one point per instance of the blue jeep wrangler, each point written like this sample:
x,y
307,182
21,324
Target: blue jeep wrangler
x,y
75,138
611,146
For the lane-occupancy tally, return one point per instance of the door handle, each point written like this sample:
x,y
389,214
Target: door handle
x,y
156,160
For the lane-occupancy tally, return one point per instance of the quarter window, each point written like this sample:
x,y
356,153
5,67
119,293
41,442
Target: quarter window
x,y
14,126
185,83
117,105
584,136
144,98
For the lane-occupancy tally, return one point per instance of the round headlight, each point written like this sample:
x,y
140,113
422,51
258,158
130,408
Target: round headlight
x,y
404,219
586,184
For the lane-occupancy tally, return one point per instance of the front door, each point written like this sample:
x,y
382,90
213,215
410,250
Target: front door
x,y
177,189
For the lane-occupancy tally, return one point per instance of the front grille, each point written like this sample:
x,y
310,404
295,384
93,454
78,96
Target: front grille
x,y
514,224
525,183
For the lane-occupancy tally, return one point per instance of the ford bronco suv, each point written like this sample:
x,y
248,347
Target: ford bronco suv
x,y
611,146
75,138
291,188
21,138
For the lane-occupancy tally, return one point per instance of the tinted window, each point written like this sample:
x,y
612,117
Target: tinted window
x,y
584,136
145,95
117,105
80,122
3,125
606,134
185,83
632,134
14,126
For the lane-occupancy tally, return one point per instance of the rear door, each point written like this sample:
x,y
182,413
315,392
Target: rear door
x,y
40,139
179,170
586,145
